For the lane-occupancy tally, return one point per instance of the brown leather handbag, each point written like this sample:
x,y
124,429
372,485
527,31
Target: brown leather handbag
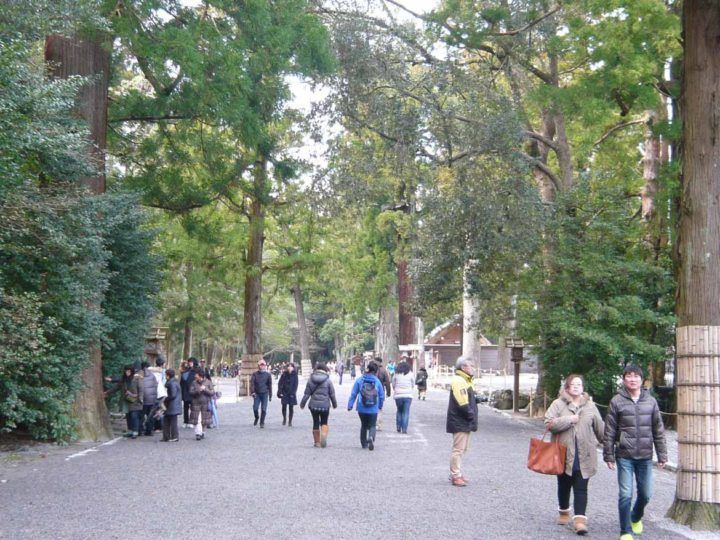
x,y
546,457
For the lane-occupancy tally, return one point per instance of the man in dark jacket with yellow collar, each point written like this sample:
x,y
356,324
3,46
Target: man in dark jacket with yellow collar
x,y
462,416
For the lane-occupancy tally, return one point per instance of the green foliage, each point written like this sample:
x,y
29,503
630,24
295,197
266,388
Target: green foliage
x,y
75,270
130,301
51,248
603,302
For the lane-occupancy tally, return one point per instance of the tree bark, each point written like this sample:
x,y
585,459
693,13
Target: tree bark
x,y
187,338
66,57
407,333
386,338
253,274
654,155
471,325
697,496
303,334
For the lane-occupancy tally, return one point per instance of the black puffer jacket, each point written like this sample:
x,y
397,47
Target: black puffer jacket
x,y
320,391
287,388
631,429
261,383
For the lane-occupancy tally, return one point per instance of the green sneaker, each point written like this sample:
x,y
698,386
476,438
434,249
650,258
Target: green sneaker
x,y
626,536
637,527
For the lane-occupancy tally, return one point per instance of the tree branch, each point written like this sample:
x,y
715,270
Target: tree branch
x,y
542,138
618,127
159,118
528,25
543,168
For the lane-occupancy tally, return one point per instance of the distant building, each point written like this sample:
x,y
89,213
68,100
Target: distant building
x,y
443,346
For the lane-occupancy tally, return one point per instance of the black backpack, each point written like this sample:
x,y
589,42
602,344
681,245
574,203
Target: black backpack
x,y
368,393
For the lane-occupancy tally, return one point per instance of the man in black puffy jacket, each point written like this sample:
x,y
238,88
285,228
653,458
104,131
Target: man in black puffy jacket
x,y
633,426
261,391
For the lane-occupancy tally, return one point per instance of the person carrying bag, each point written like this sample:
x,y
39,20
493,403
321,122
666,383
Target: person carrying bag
x,y
574,421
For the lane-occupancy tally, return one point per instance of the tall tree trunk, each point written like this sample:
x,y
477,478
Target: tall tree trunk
x,y
187,338
303,334
386,337
654,155
697,496
407,333
253,276
471,324
67,57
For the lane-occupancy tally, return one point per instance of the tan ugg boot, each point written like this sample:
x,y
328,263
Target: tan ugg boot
x,y
316,437
563,517
323,435
580,525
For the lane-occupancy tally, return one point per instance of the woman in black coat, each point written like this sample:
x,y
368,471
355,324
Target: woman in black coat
x,y
173,407
287,392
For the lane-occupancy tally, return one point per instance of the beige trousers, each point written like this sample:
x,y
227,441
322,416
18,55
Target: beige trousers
x,y
461,443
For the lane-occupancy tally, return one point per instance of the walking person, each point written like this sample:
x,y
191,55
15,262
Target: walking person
x,y
574,420
287,392
320,393
173,407
403,384
633,426
384,378
202,391
462,416
131,400
421,382
261,391
340,369
370,396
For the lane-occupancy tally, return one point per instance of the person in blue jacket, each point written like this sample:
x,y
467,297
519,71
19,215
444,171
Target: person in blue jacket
x,y
370,395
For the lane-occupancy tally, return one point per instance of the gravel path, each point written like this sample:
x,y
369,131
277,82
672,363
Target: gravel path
x,y
244,482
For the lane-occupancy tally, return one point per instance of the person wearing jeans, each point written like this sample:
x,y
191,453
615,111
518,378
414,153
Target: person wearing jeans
x,y
403,383
369,404
261,391
574,421
633,427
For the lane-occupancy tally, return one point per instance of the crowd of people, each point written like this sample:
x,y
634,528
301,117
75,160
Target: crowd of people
x,y
153,398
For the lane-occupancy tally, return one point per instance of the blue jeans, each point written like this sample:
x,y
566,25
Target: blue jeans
x,y
260,402
133,421
402,417
642,470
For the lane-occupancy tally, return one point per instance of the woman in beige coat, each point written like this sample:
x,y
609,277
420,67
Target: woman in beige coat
x,y
573,419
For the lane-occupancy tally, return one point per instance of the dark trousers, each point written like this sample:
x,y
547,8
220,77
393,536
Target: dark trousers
x,y
367,427
320,417
579,486
150,422
170,427
133,421
186,411
260,402
285,408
